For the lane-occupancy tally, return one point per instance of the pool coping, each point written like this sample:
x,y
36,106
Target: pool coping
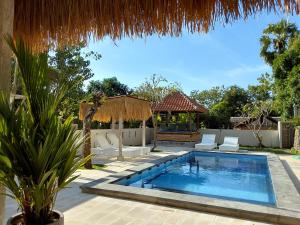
x,y
287,210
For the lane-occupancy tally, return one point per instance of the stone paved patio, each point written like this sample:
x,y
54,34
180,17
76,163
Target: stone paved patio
x,y
86,209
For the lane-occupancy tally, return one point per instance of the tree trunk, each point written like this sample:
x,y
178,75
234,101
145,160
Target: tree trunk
x,y
259,139
154,121
87,142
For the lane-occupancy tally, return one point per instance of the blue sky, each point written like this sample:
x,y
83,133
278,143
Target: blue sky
x,y
227,55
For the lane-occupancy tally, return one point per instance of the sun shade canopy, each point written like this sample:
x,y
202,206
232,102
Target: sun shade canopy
x,y
179,102
125,107
44,23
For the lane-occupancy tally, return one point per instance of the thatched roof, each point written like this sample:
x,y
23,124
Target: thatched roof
x,y
126,107
59,22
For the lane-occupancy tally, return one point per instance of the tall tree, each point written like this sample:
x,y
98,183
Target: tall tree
x,y
109,86
280,46
263,90
231,105
210,97
256,114
96,101
286,72
72,65
154,89
275,39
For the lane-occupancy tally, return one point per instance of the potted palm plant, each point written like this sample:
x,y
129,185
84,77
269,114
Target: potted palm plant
x,y
38,151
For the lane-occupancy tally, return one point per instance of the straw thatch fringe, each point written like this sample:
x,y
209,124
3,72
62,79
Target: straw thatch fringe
x,y
44,23
126,107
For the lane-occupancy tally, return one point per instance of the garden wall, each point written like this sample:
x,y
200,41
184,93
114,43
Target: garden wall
x,y
131,136
246,137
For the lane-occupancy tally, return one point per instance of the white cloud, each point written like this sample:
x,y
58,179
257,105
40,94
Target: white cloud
x,y
245,70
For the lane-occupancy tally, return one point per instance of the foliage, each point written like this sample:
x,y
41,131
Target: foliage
x,y
71,65
109,86
286,72
155,88
280,48
210,97
275,40
231,104
37,149
262,91
268,149
95,167
256,115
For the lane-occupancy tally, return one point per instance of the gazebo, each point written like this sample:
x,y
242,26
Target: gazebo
x,y
120,108
170,109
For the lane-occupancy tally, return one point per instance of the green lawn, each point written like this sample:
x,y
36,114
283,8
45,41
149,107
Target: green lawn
x,y
95,167
272,150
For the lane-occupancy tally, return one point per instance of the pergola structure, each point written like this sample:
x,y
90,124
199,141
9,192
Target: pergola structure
x,y
171,107
120,108
44,23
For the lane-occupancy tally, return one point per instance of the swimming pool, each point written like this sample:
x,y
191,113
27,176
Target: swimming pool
x,y
221,175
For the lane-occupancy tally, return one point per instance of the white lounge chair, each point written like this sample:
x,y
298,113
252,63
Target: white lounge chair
x,y
230,144
102,147
207,143
128,151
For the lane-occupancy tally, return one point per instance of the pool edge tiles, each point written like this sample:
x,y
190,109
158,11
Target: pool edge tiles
x,y
285,212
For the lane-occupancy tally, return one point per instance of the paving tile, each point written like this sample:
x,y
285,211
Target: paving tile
x,y
86,209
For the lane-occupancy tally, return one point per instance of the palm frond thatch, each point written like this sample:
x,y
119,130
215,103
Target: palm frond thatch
x,y
56,22
125,107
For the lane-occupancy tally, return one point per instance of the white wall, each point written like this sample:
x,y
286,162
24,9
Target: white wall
x,y
246,137
131,136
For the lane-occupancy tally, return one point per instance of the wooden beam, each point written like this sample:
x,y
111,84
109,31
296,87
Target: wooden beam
x,y
6,27
197,120
120,156
144,134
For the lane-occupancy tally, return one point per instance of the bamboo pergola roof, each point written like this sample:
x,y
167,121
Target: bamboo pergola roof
x,y
126,107
44,23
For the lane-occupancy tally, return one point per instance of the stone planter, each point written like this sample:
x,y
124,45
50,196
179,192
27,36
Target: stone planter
x,y
14,219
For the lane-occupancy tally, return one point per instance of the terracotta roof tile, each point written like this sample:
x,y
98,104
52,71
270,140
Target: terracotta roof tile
x,y
179,102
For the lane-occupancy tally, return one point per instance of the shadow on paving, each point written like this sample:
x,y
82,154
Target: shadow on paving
x,y
291,174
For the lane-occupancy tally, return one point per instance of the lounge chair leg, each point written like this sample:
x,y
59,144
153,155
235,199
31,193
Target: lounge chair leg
x,y
120,158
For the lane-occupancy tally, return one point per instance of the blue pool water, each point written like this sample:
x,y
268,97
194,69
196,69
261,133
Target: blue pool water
x,y
228,176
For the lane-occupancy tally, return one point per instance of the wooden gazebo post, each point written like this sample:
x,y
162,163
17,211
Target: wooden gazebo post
x,y
6,27
144,133
120,156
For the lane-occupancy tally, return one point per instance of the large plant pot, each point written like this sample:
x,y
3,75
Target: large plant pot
x,y
15,218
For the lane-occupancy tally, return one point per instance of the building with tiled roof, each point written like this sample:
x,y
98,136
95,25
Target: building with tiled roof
x,y
171,128
179,102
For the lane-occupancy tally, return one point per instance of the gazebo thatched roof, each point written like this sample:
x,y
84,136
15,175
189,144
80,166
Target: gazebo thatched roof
x,y
125,107
58,22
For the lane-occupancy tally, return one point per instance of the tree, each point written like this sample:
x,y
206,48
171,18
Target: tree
x,y
256,114
280,47
231,104
263,91
97,100
71,65
286,72
109,86
210,97
275,40
154,90
38,150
